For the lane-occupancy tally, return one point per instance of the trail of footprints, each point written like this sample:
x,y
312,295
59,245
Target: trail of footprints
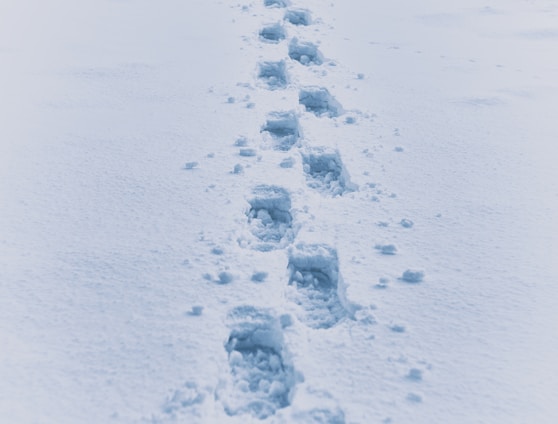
x,y
261,378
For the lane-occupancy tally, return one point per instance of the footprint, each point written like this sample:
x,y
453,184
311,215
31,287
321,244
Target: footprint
x,y
273,33
319,101
273,74
298,17
276,3
314,273
261,379
305,52
270,218
283,128
325,171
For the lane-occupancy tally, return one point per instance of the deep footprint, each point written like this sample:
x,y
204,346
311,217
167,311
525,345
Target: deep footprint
x,y
273,74
273,33
314,272
298,17
319,101
276,3
270,218
261,379
305,52
325,171
283,128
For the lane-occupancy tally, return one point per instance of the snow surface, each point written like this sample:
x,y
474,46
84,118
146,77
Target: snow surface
x,y
193,230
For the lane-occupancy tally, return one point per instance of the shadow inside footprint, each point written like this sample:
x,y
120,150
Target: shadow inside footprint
x,y
273,33
325,171
314,271
319,101
305,52
261,379
273,74
269,217
298,17
276,3
283,128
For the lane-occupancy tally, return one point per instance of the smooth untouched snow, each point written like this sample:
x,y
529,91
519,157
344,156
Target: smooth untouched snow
x,y
192,228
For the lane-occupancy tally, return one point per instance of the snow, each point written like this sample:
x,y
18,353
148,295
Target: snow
x,y
192,228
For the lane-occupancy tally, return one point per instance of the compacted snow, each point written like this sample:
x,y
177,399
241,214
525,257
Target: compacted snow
x,y
278,211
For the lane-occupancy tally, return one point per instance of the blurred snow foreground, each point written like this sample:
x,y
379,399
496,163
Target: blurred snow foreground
x,y
278,211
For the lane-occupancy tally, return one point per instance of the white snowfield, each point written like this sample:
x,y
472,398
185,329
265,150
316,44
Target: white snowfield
x,y
278,211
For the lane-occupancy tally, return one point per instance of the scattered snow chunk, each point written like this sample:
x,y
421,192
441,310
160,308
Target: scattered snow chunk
x,y
396,328
238,169
241,142
217,251
410,276
247,152
415,374
382,283
191,165
259,277
399,149
386,249
196,310
407,223
225,277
